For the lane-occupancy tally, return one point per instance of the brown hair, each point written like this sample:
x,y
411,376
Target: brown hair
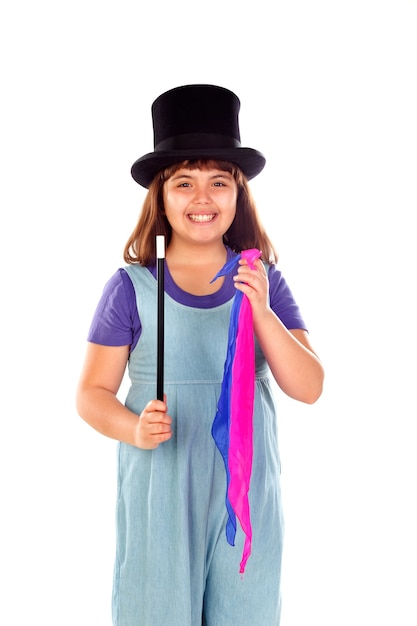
x,y
245,232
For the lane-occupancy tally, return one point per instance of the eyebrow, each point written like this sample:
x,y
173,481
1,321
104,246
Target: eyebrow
x,y
222,174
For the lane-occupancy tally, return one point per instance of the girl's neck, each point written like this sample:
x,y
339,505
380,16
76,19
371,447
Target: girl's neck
x,y
200,255
192,269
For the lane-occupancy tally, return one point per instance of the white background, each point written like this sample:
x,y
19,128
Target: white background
x,y
328,92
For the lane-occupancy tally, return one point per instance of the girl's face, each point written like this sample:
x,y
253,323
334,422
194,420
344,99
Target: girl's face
x,y
200,204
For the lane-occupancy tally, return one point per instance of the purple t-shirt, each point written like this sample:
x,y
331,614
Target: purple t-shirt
x,y
116,321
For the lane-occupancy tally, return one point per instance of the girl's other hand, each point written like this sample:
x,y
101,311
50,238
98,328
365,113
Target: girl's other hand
x,y
154,425
254,283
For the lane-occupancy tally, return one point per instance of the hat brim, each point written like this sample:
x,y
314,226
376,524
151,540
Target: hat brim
x,y
144,170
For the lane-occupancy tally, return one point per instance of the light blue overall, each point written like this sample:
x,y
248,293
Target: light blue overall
x,y
173,561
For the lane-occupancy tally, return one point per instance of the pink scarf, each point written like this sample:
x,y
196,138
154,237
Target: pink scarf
x,y
232,427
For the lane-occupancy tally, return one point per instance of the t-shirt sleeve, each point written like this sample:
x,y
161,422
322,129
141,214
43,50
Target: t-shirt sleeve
x,y
282,301
116,319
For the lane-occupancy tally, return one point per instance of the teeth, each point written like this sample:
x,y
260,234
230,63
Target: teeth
x,y
202,218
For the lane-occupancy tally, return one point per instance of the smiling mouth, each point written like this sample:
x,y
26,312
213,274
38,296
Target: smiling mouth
x,y
200,218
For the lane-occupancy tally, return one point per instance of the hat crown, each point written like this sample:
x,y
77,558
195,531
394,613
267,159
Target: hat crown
x,y
202,110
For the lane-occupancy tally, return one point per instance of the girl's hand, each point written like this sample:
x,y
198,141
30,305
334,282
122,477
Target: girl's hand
x,y
254,283
154,425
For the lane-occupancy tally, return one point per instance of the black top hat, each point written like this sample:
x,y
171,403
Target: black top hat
x,y
196,122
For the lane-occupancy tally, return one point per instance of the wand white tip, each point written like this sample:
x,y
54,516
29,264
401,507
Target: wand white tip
x,y
160,247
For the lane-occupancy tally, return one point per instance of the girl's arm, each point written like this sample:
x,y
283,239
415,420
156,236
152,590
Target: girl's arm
x,y
294,365
98,405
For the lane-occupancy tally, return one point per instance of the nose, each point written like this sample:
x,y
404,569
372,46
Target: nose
x,y
202,194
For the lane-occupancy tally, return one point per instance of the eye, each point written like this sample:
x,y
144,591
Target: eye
x,y
219,184
184,185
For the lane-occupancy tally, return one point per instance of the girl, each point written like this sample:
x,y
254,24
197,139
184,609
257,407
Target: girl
x,y
173,563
